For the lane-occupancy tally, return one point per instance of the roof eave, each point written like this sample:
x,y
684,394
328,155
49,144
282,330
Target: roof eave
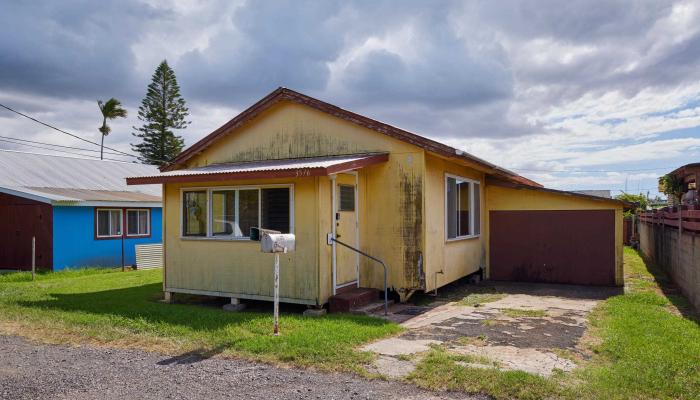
x,y
263,174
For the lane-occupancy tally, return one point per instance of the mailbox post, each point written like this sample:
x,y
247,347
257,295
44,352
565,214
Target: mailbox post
x,y
276,243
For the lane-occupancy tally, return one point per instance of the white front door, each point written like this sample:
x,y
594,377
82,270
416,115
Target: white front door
x,y
346,230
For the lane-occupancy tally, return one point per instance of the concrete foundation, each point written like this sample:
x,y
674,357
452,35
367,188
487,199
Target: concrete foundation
x,y
315,312
234,306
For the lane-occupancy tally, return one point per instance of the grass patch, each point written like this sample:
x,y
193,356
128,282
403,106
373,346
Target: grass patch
x,y
643,348
646,349
119,309
44,275
480,340
491,322
440,370
516,313
476,299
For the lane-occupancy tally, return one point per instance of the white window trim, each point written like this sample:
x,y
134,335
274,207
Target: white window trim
x,y
148,222
471,209
97,223
210,189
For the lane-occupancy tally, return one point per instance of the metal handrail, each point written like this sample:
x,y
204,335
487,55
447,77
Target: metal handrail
x,y
386,296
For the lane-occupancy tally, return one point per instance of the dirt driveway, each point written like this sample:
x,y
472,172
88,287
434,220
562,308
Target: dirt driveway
x,y
535,328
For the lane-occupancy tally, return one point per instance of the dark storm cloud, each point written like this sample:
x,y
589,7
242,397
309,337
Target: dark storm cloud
x,y
271,44
70,48
444,68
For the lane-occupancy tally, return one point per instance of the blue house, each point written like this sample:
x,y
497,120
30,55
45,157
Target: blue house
x,y
79,212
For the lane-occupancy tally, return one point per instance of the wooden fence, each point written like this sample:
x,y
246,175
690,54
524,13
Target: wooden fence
x,y
689,219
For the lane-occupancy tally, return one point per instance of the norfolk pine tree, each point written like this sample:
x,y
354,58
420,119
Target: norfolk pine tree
x,y
162,110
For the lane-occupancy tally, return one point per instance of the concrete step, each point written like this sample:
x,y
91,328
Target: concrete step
x,y
352,299
372,308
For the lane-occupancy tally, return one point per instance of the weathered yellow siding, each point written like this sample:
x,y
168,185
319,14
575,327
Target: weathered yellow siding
x,y
503,198
454,258
237,268
391,220
401,211
390,209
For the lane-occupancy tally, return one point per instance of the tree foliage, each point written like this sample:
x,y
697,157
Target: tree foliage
x,y
639,199
111,109
162,111
672,186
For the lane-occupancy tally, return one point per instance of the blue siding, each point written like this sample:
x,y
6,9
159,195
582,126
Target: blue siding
x,y
74,243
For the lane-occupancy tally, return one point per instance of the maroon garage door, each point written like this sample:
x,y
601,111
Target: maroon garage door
x,y
569,246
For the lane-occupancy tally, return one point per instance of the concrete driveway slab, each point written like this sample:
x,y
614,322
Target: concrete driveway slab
x,y
523,328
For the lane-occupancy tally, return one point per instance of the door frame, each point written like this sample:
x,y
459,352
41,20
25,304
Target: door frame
x,y
334,213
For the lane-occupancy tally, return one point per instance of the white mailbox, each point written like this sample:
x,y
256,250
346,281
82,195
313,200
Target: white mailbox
x,y
277,242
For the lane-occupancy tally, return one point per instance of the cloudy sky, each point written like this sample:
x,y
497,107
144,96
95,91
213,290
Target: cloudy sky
x,y
576,95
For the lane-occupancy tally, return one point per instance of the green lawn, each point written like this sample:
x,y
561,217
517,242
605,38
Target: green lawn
x,y
121,309
643,348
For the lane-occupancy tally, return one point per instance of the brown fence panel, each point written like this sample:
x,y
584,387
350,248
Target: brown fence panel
x,y
563,246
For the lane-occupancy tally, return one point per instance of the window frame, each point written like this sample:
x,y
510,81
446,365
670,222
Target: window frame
x,y
148,222
472,224
97,223
210,215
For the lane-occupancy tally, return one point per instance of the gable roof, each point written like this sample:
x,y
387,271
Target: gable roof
x,y
284,94
74,181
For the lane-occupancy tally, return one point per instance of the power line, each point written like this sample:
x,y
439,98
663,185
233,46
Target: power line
x,y
62,131
61,151
57,145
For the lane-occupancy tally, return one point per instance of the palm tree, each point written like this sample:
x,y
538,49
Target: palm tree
x,y
111,109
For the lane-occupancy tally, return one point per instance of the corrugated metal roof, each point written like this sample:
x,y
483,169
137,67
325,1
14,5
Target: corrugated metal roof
x,y
267,165
62,178
94,195
270,168
599,193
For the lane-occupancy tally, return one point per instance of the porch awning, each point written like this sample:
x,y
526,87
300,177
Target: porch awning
x,y
287,168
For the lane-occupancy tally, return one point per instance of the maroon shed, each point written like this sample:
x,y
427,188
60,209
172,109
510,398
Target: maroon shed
x,y
20,220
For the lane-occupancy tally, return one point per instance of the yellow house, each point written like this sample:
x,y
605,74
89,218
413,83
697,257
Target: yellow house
x,y
431,212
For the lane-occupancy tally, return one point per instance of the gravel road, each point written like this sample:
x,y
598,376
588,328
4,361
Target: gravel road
x,y
35,371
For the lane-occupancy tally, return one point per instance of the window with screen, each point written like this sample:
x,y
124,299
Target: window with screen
x,y
346,198
463,207
138,222
108,222
276,209
235,211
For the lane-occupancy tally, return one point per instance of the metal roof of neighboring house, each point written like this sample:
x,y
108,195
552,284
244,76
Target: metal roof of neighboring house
x,y
76,181
684,169
284,94
286,168
598,193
